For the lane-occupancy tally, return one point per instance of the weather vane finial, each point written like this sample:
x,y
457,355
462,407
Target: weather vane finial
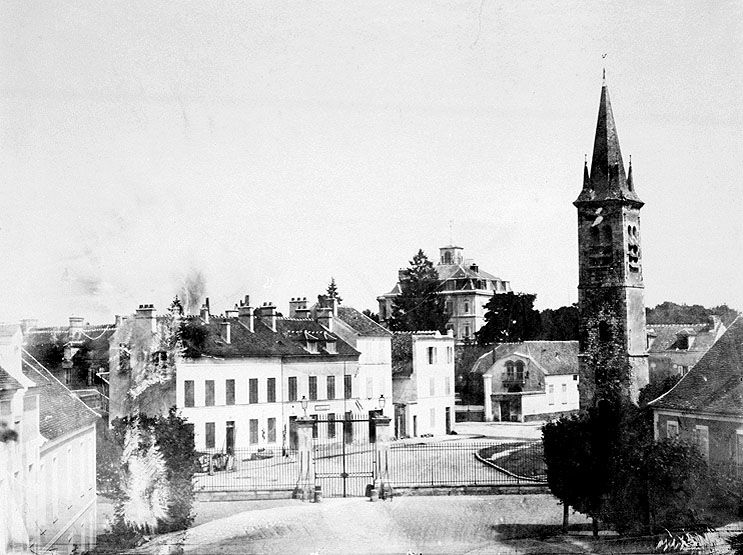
x,y
451,232
603,57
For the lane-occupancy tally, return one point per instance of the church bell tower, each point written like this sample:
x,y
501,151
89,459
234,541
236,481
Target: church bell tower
x,y
613,341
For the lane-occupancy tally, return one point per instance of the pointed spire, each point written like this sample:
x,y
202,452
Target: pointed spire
x,y
586,177
607,169
607,176
630,186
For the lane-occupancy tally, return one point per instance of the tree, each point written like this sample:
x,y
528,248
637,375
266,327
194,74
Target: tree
x,y
371,315
419,306
152,496
655,389
510,317
672,313
559,324
333,291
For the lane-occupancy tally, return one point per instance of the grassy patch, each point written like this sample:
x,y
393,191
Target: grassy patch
x,y
527,461
488,452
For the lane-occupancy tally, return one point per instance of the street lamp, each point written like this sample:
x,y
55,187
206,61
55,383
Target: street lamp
x,y
382,401
304,402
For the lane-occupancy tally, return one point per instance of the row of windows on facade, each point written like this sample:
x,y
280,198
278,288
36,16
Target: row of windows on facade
x,y
551,394
292,390
433,355
269,434
700,438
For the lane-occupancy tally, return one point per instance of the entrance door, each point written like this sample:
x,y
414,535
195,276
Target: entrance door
x,y
505,411
293,438
229,437
400,428
448,420
415,425
372,427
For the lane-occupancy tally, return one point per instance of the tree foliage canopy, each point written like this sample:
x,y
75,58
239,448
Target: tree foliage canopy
x,y
419,306
510,317
605,463
672,313
333,291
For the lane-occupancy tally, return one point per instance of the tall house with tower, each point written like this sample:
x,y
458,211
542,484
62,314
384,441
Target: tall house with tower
x,y
613,340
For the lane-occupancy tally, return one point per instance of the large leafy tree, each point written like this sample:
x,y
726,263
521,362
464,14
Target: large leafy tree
x,y
560,324
419,305
672,313
510,317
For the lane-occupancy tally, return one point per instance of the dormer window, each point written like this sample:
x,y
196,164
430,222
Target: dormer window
x,y
312,347
330,347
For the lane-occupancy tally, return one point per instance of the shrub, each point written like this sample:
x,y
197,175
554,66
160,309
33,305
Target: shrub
x,y
173,437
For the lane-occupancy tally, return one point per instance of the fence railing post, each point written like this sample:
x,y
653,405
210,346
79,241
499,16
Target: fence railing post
x,y
305,488
382,488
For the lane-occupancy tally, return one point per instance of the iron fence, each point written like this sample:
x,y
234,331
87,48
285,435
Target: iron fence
x,y
347,468
466,463
247,470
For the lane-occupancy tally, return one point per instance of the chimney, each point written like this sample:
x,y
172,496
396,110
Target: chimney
x,y
76,325
28,324
245,313
145,316
475,268
298,305
117,320
204,311
325,301
713,319
233,313
267,313
325,317
402,274
224,331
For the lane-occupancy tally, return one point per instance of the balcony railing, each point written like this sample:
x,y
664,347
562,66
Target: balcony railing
x,y
513,379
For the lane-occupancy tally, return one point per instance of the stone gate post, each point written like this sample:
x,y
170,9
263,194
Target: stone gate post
x,y
305,487
487,386
382,488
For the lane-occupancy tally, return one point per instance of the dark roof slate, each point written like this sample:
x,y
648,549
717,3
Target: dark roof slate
x,y
715,383
361,322
666,337
553,357
60,411
287,340
8,382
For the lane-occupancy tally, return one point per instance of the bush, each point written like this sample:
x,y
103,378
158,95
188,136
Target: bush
x,y
608,466
174,439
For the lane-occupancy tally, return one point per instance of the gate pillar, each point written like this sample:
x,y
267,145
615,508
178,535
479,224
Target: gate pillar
x,y
305,488
382,488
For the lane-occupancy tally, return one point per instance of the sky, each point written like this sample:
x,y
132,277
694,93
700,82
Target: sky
x,y
262,148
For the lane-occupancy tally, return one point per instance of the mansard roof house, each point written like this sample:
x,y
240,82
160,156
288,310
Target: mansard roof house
x,y
706,405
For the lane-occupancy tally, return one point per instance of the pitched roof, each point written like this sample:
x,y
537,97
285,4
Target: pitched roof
x,y
402,355
8,382
288,340
553,357
608,180
361,322
60,411
666,337
715,383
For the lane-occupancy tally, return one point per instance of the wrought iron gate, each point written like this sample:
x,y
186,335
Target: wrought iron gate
x,y
344,456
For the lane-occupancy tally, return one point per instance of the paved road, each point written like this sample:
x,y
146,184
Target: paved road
x,y
453,524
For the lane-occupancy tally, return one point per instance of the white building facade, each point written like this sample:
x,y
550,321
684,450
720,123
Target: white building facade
x,y
532,380
423,383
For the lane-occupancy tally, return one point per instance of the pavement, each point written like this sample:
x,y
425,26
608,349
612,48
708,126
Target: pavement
x,y
446,524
